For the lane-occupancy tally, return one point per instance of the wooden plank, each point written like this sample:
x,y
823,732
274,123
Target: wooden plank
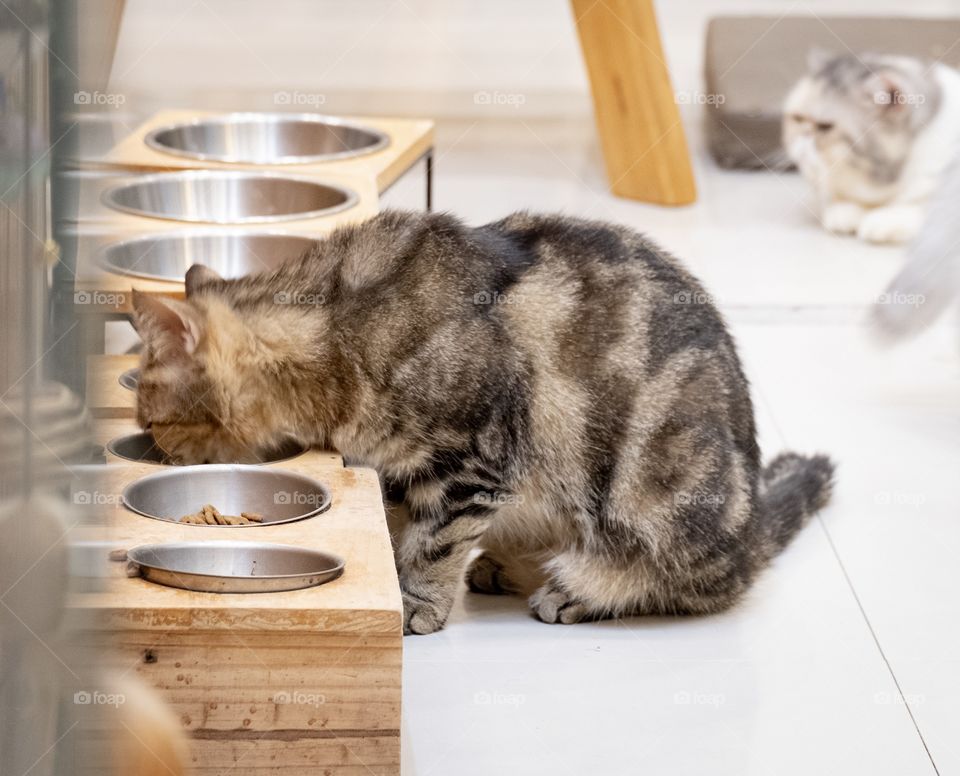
x,y
271,701
644,146
341,750
106,398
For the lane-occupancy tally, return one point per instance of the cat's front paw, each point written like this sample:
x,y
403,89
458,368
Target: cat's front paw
x,y
486,575
421,616
842,217
893,224
552,605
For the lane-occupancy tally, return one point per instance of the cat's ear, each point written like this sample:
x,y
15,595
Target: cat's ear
x,y
171,327
888,89
198,276
817,59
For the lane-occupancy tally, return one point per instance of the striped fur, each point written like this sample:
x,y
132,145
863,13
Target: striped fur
x,y
560,393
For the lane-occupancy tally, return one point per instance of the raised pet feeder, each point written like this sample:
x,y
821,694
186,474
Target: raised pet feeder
x,y
227,197
234,567
278,681
169,256
267,138
281,496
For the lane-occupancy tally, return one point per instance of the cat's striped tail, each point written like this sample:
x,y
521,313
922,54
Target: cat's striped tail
x,y
792,488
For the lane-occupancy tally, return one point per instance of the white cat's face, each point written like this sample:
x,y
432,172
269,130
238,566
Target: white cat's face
x,y
847,128
814,128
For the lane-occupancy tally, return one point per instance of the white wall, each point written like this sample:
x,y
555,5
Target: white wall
x,y
402,56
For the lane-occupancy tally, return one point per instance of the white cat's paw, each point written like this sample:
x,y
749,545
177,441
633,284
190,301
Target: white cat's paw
x,y
893,224
842,217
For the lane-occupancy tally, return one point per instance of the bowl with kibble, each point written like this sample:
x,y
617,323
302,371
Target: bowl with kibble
x,y
227,495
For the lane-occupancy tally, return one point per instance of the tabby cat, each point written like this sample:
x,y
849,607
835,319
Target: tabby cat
x,y
560,393
873,134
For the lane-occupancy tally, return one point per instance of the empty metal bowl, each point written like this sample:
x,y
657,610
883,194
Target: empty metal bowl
x,y
228,197
234,567
143,448
267,138
232,255
281,496
130,379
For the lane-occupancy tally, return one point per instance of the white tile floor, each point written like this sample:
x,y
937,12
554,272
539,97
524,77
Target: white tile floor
x,y
844,657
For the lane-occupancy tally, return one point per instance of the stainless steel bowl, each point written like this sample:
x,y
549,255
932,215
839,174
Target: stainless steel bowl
x,y
232,255
206,196
281,496
143,448
130,379
267,138
234,567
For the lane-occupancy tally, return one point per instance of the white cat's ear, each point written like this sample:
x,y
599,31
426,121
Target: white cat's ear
x,y
889,89
197,276
172,327
817,59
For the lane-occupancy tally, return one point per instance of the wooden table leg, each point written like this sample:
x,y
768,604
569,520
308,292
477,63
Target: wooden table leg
x,y
643,141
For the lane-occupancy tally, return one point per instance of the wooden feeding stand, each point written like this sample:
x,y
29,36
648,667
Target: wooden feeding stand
x,y
304,681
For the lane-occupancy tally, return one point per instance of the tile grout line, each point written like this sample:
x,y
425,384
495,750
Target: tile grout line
x,y
863,612
876,640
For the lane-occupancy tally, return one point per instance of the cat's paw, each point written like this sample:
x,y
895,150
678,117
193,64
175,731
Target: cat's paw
x,y
893,224
552,605
486,575
842,217
421,617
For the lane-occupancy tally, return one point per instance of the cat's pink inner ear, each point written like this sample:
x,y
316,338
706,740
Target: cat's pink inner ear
x,y
888,91
171,325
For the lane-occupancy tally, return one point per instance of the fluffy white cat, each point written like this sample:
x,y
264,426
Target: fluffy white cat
x,y
929,283
873,134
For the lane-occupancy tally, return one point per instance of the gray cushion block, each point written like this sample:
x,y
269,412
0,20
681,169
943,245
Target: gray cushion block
x,y
753,61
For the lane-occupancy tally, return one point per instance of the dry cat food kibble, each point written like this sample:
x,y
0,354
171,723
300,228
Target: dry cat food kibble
x,y
210,515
